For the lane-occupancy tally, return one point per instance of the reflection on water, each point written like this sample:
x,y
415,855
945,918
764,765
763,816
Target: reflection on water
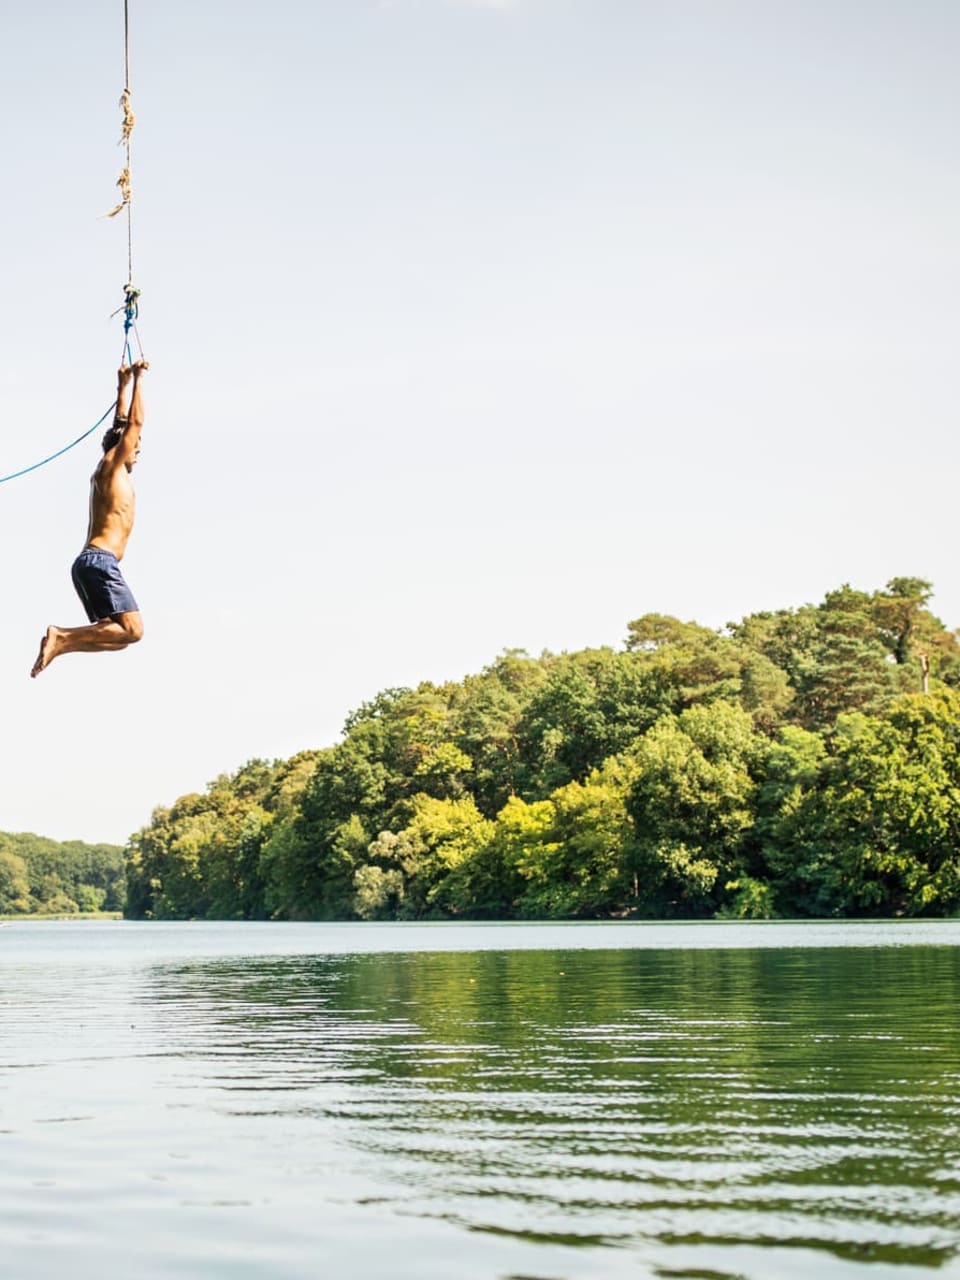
x,y
546,1113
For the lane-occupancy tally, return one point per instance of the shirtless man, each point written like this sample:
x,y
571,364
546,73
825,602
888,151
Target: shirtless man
x,y
114,617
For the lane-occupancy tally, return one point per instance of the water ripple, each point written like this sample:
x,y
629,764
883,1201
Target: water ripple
x,y
576,1113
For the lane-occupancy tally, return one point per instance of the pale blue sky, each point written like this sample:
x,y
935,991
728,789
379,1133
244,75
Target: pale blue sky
x,y
473,325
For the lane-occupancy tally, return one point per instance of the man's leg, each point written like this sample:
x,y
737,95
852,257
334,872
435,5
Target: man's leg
x,y
109,633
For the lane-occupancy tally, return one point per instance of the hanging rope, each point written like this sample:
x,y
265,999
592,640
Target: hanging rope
x,y
131,295
129,120
125,181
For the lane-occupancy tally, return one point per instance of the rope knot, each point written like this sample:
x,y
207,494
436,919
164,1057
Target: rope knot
x,y
129,119
131,306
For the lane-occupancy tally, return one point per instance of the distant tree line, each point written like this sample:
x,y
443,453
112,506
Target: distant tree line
x,y
802,762
49,877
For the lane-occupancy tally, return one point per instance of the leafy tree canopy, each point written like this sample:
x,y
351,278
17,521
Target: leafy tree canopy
x,y
799,761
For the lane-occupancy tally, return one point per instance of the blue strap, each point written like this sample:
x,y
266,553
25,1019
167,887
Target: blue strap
x,y
43,462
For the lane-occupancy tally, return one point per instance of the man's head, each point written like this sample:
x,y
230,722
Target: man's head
x,y
113,435
112,438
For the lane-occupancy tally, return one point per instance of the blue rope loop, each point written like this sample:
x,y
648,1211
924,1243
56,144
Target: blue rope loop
x,y
131,313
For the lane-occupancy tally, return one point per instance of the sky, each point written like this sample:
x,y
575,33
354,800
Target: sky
x,y
474,325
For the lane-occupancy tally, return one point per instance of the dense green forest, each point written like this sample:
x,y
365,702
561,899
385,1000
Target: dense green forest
x,y
49,877
803,762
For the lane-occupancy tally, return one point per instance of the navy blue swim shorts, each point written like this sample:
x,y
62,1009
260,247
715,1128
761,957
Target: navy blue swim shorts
x,y
100,585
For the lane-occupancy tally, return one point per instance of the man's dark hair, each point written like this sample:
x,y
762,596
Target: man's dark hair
x,y
113,435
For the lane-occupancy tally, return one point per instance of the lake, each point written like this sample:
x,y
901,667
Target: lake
x,y
485,1102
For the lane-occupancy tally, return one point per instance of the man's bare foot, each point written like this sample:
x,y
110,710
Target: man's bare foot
x,y
48,651
124,374
140,366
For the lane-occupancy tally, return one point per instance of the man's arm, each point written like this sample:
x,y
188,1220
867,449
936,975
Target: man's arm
x,y
126,450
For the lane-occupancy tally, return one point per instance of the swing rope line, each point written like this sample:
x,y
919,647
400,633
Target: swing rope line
x,y
131,295
129,120
14,475
125,181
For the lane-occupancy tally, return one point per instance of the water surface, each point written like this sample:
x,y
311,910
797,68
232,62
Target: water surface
x,y
520,1102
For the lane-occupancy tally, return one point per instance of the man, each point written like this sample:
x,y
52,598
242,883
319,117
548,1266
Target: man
x,y
114,617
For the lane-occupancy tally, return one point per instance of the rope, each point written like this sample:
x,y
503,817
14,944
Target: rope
x,y
131,295
125,181
43,461
129,120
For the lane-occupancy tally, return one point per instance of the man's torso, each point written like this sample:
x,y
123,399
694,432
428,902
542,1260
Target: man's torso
x,y
112,507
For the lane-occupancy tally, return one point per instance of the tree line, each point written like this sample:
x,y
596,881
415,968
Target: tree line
x,y
39,876
800,762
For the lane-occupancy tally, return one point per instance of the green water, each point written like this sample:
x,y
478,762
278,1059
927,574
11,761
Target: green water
x,y
519,1102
